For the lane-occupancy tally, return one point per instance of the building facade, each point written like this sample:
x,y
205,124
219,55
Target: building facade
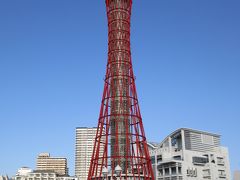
x,y
190,154
56,164
236,175
42,175
24,171
85,138
2,177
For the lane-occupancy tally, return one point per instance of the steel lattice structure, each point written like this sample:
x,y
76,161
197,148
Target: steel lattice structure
x,y
120,129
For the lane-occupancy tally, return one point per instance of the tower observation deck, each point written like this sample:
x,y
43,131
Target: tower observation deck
x,y
120,128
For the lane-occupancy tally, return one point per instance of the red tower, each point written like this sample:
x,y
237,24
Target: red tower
x,y
120,145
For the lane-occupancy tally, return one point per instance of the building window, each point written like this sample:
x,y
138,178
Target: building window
x,y
177,157
220,161
174,170
206,173
160,172
221,173
159,158
153,159
166,171
179,170
199,160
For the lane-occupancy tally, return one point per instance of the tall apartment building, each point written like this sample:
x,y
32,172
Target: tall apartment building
x,y
56,164
85,138
190,154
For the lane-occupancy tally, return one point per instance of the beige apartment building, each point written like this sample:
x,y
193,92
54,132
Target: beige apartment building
x,y
56,164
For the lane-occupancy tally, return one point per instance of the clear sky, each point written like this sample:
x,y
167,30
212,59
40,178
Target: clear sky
x,y
53,55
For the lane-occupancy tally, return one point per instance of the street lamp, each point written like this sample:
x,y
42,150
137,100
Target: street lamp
x,y
118,170
105,172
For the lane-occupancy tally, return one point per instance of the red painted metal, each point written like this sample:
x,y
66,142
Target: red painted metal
x,y
120,138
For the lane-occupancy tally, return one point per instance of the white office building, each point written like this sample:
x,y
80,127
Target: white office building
x,y
42,175
85,138
190,155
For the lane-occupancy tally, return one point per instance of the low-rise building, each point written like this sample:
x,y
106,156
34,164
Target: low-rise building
x,y
43,175
190,154
56,164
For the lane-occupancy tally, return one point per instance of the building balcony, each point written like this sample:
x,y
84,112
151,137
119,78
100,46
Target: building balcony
x,y
168,161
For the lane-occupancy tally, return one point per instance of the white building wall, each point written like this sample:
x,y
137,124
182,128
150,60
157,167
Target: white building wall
x,y
23,171
191,155
42,175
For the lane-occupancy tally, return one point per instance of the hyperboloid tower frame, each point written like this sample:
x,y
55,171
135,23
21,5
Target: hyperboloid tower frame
x,y
120,135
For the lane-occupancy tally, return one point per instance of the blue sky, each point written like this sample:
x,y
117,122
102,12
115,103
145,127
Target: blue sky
x,y
53,56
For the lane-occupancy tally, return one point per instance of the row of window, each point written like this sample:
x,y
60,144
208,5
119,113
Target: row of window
x,y
170,171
